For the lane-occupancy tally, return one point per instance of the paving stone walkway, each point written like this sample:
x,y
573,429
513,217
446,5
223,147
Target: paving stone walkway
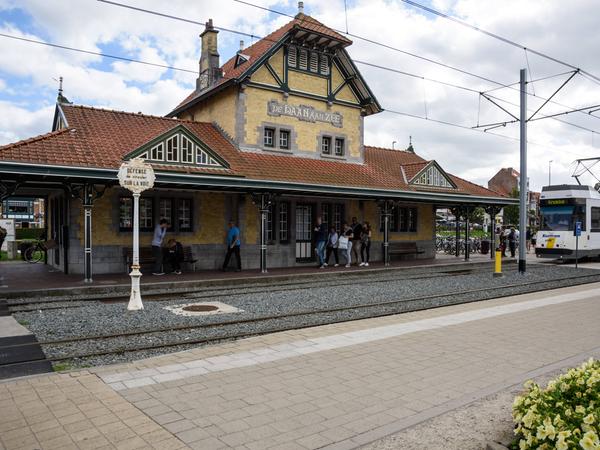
x,y
338,386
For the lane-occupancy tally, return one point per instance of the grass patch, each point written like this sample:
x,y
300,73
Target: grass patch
x,y
23,322
61,367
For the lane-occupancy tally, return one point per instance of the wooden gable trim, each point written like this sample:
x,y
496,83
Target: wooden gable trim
x,y
178,129
424,169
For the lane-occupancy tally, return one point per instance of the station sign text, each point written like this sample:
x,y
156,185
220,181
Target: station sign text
x,y
304,113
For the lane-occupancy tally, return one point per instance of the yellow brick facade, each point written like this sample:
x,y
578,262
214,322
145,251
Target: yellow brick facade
x,y
219,108
307,132
276,62
305,82
208,215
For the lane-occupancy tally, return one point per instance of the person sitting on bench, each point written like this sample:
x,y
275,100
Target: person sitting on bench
x,y
174,255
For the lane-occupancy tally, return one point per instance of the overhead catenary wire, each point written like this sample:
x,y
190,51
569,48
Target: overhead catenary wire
x,y
414,55
90,52
498,37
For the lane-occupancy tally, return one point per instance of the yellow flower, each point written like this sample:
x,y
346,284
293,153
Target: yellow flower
x,y
579,409
529,418
589,419
590,441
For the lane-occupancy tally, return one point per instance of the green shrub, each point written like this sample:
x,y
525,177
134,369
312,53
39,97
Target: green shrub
x,y
28,233
565,415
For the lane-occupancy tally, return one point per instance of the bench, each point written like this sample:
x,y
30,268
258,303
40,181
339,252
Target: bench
x,y
404,248
147,258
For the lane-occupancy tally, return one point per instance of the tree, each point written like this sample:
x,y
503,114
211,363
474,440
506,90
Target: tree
x,y
511,212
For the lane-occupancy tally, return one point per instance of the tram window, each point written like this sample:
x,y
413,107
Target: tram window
x,y
556,218
595,222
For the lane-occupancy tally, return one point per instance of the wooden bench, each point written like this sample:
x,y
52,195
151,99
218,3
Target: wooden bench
x,y
147,258
404,248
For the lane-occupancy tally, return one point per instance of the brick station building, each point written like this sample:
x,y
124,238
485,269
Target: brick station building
x,y
273,138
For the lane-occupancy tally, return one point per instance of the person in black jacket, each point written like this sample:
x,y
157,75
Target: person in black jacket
x,y
174,255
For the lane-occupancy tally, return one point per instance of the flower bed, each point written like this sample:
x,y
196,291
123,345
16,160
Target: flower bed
x,y
565,415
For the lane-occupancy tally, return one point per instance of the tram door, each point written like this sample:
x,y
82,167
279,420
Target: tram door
x,y
304,251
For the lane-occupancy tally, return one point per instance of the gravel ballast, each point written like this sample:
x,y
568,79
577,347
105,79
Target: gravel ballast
x,y
414,291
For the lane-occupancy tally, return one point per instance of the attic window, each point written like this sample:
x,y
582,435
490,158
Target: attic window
x,y
179,148
303,59
432,176
314,62
292,56
324,65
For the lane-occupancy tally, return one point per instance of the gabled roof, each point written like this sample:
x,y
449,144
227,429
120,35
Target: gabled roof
x,y
101,139
235,71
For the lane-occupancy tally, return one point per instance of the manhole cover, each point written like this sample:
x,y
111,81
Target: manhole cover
x,y
200,308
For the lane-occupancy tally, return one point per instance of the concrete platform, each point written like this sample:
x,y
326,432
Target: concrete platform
x,y
20,353
22,279
338,386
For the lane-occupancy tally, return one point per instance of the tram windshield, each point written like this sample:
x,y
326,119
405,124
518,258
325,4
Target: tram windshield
x,y
562,218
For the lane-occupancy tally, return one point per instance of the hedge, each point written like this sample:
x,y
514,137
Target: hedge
x,y
28,233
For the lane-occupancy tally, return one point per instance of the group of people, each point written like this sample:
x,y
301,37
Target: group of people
x,y
171,256
509,239
353,240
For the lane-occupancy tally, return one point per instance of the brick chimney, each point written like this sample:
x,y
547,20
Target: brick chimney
x,y
210,72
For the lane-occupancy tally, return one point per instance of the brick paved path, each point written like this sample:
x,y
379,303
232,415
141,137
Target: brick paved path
x,y
337,386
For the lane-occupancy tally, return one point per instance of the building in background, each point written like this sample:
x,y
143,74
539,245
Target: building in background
x,y
506,182
26,212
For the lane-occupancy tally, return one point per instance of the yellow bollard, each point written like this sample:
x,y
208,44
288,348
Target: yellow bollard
x,y
498,265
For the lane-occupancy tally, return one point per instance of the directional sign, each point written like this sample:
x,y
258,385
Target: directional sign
x,y
577,228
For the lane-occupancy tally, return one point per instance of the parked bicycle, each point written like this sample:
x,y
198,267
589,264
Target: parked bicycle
x,y
36,252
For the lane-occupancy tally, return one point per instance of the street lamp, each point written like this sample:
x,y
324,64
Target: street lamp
x,y
550,172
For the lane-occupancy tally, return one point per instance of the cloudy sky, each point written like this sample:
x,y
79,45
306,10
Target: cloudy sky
x,y
564,30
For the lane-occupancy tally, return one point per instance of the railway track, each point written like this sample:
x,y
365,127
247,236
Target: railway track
x,y
225,330
225,291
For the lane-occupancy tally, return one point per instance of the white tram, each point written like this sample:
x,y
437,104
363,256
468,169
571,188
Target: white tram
x,y
561,206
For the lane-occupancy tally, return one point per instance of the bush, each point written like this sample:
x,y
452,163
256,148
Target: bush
x,y
563,416
28,233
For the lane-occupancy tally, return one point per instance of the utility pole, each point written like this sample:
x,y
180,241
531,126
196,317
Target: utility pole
x,y
523,179
550,172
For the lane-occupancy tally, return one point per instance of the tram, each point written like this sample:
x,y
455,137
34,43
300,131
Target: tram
x,y
561,207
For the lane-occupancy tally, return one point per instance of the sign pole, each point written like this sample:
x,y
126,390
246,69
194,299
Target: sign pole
x,y
135,299
136,176
577,234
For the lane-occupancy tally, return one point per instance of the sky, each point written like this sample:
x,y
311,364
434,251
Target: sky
x,y
564,30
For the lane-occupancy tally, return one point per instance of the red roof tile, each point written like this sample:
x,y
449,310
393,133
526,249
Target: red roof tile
x,y
258,49
100,138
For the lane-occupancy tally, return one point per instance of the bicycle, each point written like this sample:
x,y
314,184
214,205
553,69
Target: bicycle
x,y
36,252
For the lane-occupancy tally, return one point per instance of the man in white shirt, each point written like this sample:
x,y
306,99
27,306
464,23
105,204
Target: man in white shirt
x,y
160,232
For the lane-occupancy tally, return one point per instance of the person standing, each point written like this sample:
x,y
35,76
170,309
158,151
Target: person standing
x,y
174,256
160,232
365,241
233,246
528,239
348,242
321,238
356,237
332,246
512,241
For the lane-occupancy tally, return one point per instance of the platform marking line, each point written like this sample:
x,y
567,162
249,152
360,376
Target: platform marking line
x,y
149,376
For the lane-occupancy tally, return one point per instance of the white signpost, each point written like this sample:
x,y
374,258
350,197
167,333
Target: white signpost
x,y
136,176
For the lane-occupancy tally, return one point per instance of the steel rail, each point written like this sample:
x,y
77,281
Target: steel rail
x,y
317,312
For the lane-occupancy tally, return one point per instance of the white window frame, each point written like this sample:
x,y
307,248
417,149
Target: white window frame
x,y
327,139
174,150
343,147
267,138
187,151
154,152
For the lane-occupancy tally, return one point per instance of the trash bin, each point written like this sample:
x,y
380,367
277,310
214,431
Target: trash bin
x,y
485,247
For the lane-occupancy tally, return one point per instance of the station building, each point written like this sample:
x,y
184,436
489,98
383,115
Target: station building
x,y
271,139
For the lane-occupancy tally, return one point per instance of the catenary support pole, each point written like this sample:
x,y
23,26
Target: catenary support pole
x,y
264,210
457,235
386,233
523,175
87,233
467,242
